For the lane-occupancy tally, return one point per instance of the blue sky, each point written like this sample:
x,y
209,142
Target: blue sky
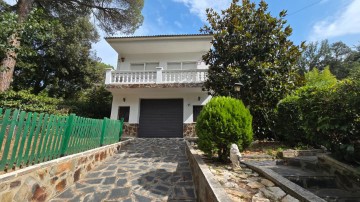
x,y
311,20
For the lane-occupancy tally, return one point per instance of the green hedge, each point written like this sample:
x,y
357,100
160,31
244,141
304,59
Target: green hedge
x,y
323,113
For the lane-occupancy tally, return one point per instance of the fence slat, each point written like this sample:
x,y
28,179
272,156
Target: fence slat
x,y
19,129
24,138
4,125
4,159
67,133
39,125
42,135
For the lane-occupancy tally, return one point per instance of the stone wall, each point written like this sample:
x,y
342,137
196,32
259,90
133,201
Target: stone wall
x,y
189,130
206,186
130,129
43,181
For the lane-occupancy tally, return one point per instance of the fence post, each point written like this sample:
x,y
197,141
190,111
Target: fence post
x,y
69,125
121,128
103,131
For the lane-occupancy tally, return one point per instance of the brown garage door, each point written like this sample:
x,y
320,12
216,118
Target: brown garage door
x,y
162,118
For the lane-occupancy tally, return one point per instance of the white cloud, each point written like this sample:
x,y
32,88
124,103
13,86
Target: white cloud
x,y
178,24
198,7
345,22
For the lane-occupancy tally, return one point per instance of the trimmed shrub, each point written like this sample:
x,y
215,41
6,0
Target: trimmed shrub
x,y
222,122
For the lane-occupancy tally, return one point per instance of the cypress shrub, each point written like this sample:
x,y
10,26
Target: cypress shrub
x,y
222,122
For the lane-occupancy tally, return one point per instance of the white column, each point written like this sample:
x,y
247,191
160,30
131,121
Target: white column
x,y
159,74
108,75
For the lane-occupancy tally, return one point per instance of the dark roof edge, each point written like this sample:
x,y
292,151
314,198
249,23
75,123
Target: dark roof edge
x,y
158,36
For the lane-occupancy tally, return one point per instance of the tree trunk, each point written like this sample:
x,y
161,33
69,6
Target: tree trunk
x,y
9,62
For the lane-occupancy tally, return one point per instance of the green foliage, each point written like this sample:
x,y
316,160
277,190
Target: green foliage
x,y
253,47
94,103
323,79
8,23
322,113
222,122
339,57
56,57
26,101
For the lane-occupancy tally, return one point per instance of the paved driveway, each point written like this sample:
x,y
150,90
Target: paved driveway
x,y
145,170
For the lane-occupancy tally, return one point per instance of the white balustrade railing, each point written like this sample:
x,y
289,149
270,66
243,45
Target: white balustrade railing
x,y
133,77
158,76
184,76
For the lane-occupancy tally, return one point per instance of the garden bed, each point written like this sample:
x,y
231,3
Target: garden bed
x,y
240,184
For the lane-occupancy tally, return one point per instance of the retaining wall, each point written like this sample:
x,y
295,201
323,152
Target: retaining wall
x,y
206,186
42,181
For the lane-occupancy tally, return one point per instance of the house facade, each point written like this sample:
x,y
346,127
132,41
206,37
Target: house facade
x,y
157,85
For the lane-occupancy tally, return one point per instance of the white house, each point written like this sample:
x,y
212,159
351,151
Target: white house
x,y
157,86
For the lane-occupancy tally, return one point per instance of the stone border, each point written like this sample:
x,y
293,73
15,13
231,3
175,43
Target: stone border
x,y
285,184
42,181
207,188
340,170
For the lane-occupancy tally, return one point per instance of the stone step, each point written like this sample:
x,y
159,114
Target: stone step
x,y
293,171
315,182
303,162
338,195
298,153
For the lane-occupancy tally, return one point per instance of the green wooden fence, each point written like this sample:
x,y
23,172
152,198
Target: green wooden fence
x,y
28,138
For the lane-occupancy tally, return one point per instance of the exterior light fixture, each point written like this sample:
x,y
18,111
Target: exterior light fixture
x,y
124,99
122,59
237,86
199,98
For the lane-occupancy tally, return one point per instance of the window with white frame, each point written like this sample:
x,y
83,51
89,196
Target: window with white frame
x,y
148,66
181,65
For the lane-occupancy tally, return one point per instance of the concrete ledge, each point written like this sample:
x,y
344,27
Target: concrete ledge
x,y
207,188
289,187
42,181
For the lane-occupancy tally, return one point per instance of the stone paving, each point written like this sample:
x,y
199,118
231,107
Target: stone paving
x,y
145,170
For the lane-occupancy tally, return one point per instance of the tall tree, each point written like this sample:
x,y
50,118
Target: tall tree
x,y
111,16
56,56
338,56
252,47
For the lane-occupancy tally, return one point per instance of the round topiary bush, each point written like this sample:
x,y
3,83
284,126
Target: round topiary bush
x,y
222,122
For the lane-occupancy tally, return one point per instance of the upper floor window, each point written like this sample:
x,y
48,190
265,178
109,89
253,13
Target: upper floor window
x,y
181,65
148,66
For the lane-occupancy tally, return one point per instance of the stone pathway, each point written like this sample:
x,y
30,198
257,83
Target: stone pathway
x,y
145,170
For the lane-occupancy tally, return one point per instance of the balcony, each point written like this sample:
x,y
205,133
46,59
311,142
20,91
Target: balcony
x,y
159,76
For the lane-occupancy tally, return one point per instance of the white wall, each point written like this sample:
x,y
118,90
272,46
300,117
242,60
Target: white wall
x,y
133,100
162,58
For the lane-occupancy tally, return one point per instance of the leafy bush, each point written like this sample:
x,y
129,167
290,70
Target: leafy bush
x,y
26,101
222,122
93,103
322,112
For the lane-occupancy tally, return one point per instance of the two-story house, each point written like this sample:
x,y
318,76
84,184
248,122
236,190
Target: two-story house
x,y
157,86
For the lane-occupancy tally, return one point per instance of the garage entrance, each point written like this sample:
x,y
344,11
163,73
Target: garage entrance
x,y
161,118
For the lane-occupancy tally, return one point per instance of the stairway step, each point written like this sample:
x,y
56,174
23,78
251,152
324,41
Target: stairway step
x,y
292,171
337,195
